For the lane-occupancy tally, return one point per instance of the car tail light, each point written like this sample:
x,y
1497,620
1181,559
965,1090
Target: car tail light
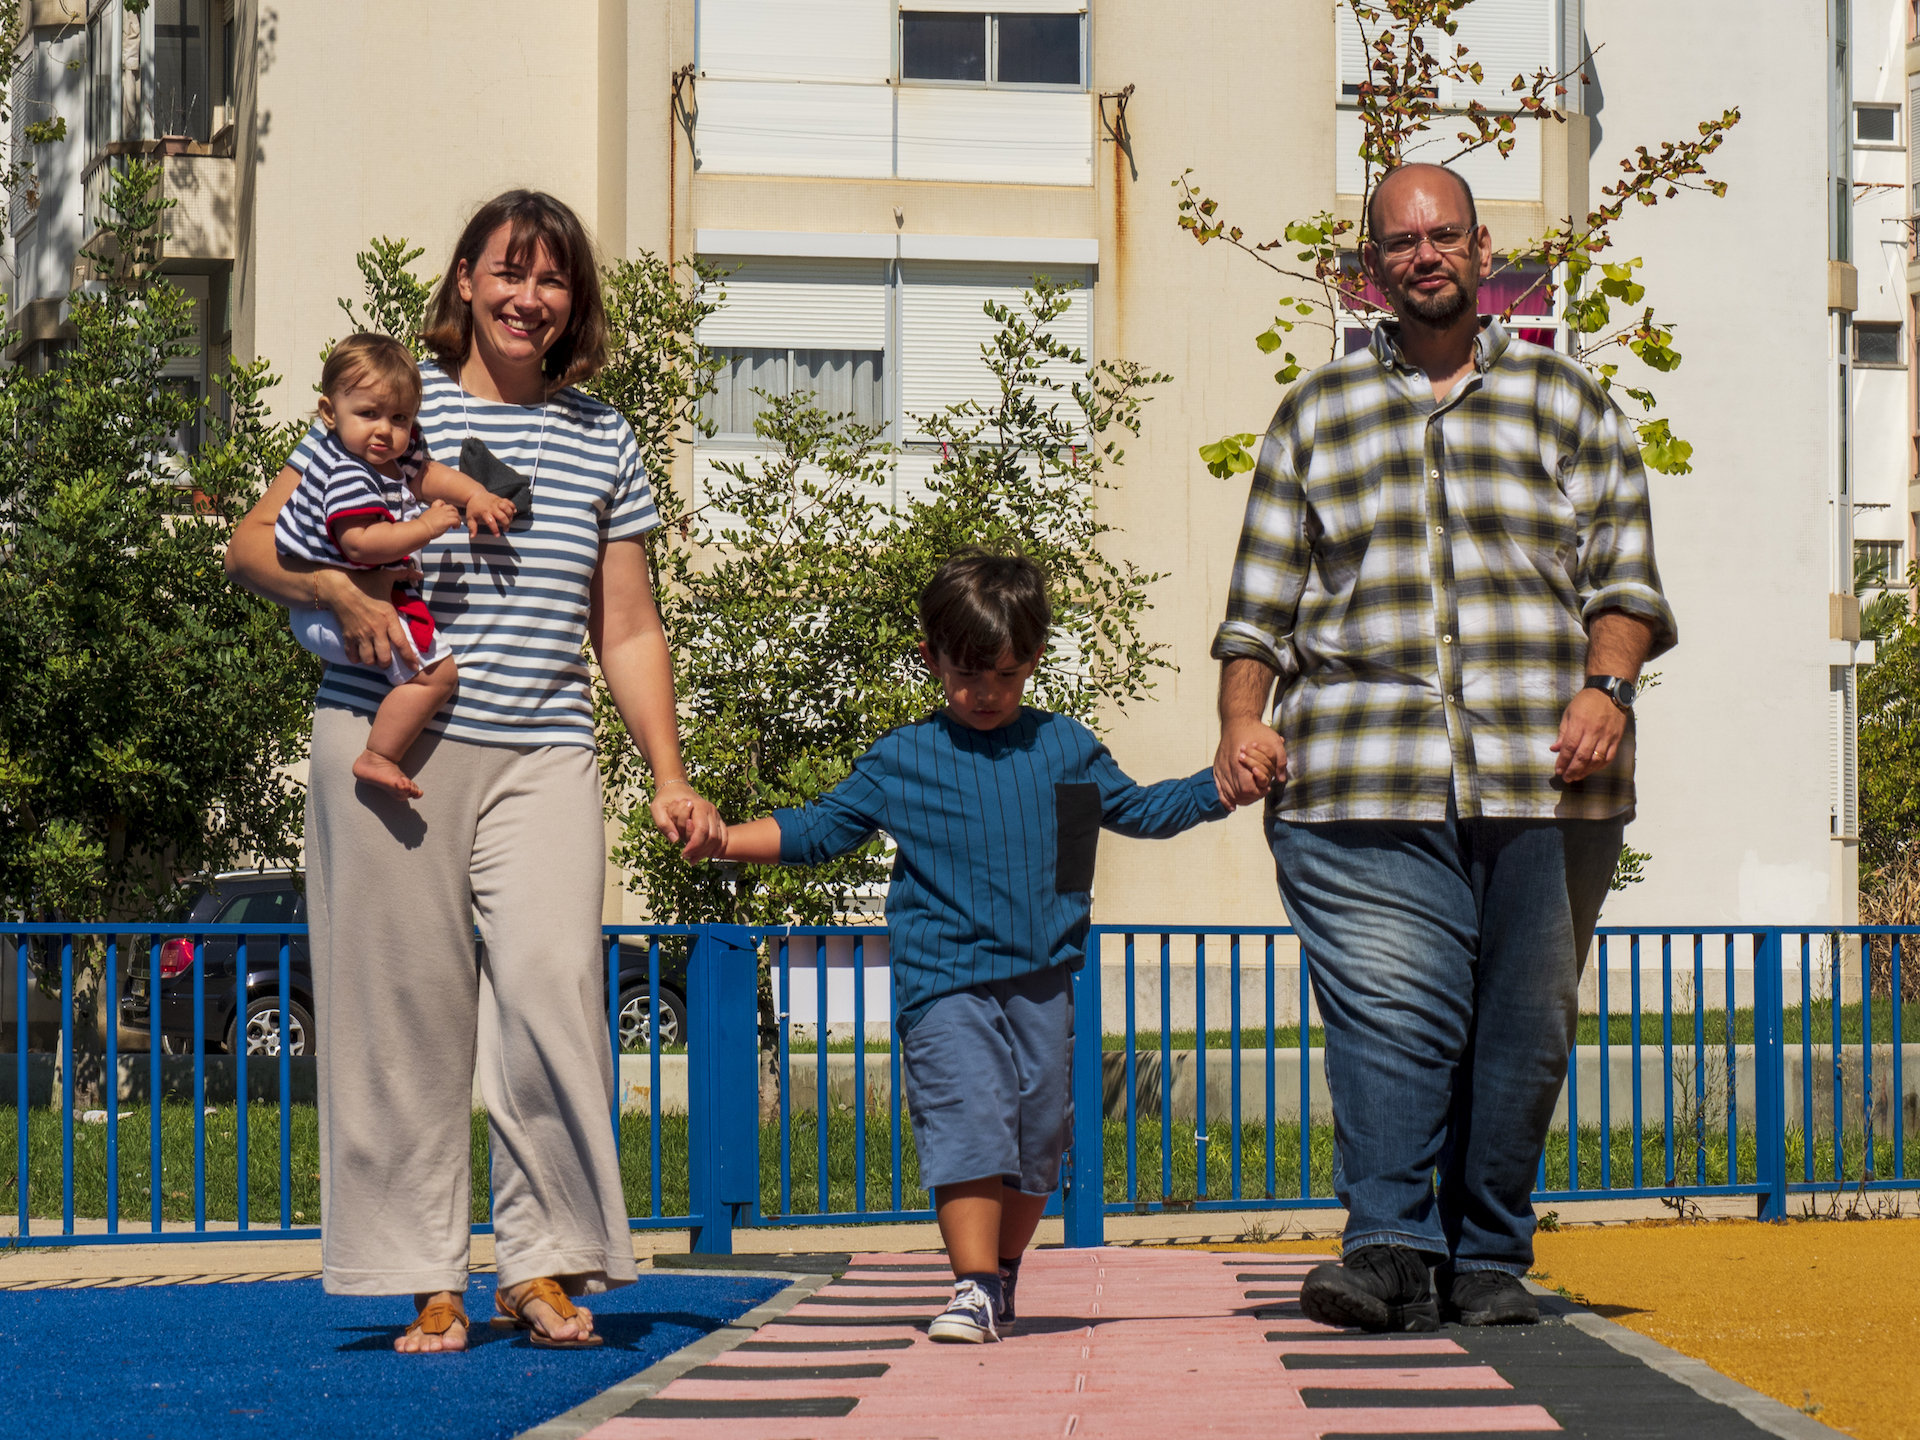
x,y
175,957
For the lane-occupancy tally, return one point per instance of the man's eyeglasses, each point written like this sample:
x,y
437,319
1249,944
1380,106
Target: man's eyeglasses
x,y
1451,240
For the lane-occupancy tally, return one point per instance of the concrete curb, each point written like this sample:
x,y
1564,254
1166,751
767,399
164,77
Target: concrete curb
x,y
611,1402
1763,1410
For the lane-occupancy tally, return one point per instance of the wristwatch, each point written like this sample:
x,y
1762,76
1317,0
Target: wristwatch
x,y
1620,692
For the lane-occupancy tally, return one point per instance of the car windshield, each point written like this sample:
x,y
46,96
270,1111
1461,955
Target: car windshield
x,y
262,907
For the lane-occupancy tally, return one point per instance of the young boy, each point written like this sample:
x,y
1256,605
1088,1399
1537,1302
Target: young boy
x,y
995,809
369,500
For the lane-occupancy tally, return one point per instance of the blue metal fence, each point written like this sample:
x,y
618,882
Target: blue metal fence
x,y
1809,1056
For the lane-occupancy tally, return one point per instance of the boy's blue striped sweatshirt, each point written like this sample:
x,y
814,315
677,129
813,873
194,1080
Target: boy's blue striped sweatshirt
x,y
995,833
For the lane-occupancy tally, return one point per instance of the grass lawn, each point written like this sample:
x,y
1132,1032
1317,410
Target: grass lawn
x,y
1703,1163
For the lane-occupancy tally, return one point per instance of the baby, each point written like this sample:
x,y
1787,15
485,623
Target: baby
x,y
366,503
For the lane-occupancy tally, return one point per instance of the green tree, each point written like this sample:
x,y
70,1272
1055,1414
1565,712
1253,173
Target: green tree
x,y
789,595
1411,50
148,709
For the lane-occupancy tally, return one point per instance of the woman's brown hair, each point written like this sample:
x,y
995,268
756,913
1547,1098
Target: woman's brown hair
x,y
537,219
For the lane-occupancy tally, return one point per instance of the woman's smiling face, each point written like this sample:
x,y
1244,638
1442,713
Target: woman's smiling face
x,y
521,305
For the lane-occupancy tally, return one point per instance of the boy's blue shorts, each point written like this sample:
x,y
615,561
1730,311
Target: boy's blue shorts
x,y
988,1073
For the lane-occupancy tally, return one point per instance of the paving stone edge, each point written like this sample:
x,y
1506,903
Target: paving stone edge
x,y
1763,1410
609,1403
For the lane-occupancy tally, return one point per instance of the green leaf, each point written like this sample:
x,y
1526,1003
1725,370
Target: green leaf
x,y
1662,450
1230,455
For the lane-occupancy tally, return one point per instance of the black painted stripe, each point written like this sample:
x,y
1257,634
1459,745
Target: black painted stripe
x,y
661,1408
1317,1337
872,1322
921,1300
1307,1360
849,1279
920,1269
1270,1294
1257,1275
1321,1397
786,1372
796,1347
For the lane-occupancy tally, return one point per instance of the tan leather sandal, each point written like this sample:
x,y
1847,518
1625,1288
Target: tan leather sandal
x,y
514,1315
438,1318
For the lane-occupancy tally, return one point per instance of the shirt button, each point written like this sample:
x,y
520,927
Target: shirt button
x,y
1440,530
1434,473
1446,639
1453,699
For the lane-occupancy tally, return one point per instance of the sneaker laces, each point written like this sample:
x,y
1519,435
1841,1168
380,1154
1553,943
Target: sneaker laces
x,y
971,1295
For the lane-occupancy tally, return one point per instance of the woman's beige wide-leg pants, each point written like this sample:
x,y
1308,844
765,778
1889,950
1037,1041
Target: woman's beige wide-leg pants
x,y
512,838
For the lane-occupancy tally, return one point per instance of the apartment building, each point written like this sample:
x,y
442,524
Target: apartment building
x,y
873,171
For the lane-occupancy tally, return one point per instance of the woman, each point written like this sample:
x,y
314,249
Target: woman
x,y
509,829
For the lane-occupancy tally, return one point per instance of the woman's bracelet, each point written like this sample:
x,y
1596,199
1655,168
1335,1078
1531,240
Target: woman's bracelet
x,y
661,783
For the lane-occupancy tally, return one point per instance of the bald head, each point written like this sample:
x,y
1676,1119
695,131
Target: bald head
x,y
1402,183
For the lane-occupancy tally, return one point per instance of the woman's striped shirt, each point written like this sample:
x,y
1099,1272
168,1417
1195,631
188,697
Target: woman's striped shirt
x,y
514,606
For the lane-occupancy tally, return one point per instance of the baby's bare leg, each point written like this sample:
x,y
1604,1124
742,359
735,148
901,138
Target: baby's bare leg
x,y
398,723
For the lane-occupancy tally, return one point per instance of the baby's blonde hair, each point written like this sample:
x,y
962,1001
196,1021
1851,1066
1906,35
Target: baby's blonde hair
x,y
371,360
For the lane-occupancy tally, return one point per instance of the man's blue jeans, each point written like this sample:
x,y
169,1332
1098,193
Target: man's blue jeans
x,y
1446,962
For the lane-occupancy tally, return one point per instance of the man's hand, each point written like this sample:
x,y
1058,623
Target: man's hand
x,y
496,512
1590,732
1250,757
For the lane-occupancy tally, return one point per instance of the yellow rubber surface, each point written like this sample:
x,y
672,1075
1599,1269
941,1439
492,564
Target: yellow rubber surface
x,y
1814,1313
1819,1313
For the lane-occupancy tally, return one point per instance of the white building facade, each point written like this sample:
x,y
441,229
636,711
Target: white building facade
x,y
873,170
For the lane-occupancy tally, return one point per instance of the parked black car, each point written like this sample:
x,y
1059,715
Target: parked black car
x,y
277,898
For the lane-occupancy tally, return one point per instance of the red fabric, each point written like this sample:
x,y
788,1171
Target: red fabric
x,y
419,619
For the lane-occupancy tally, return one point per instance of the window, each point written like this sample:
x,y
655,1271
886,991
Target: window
x,y
1876,125
1877,343
841,382
265,907
974,47
1879,565
103,73
182,85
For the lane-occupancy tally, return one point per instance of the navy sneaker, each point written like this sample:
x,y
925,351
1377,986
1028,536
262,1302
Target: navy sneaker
x,y
1008,1279
1377,1287
968,1318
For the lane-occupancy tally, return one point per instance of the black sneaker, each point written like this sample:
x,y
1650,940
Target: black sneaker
x,y
1377,1287
1008,1279
1490,1297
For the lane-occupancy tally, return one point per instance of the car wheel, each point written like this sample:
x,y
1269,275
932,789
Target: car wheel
x,y
636,1017
263,1028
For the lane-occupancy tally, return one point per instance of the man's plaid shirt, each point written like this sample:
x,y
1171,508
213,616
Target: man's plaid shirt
x,y
1420,575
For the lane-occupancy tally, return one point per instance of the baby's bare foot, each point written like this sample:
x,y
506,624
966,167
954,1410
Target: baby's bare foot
x,y
378,770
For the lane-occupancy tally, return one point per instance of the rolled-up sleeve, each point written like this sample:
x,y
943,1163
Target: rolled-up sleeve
x,y
1270,567
1615,569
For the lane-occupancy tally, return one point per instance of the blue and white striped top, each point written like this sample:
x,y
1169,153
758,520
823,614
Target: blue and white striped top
x,y
336,485
514,606
995,833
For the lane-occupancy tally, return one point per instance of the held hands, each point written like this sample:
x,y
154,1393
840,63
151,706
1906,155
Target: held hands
x,y
439,517
1251,757
496,512
684,817
1590,733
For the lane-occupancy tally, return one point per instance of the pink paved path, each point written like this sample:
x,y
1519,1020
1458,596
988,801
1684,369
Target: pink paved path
x,y
1114,1342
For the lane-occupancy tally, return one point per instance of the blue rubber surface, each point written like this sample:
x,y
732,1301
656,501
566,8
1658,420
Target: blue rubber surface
x,y
281,1358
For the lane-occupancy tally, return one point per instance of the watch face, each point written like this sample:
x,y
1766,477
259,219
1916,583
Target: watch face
x,y
1623,692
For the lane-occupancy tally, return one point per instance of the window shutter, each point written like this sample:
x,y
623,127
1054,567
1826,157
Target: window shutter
x,y
756,127
1350,48
800,304
783,40
1573,53
1506,38
25,90
943,325
1022,137
1913,150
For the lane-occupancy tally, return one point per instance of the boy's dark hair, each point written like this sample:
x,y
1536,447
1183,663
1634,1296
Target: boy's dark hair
x,y
982,605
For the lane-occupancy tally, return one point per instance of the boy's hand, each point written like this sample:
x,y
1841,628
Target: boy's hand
x,y
440,517
1262,764
496,512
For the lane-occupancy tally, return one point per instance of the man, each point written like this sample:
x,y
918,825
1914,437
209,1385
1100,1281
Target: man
x,y
1447,564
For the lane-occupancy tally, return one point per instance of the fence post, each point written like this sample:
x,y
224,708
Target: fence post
x,y
1769,1077
1085,1202
723,1092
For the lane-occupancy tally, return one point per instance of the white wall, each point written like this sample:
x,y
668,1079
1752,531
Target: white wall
x,y
1733,783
